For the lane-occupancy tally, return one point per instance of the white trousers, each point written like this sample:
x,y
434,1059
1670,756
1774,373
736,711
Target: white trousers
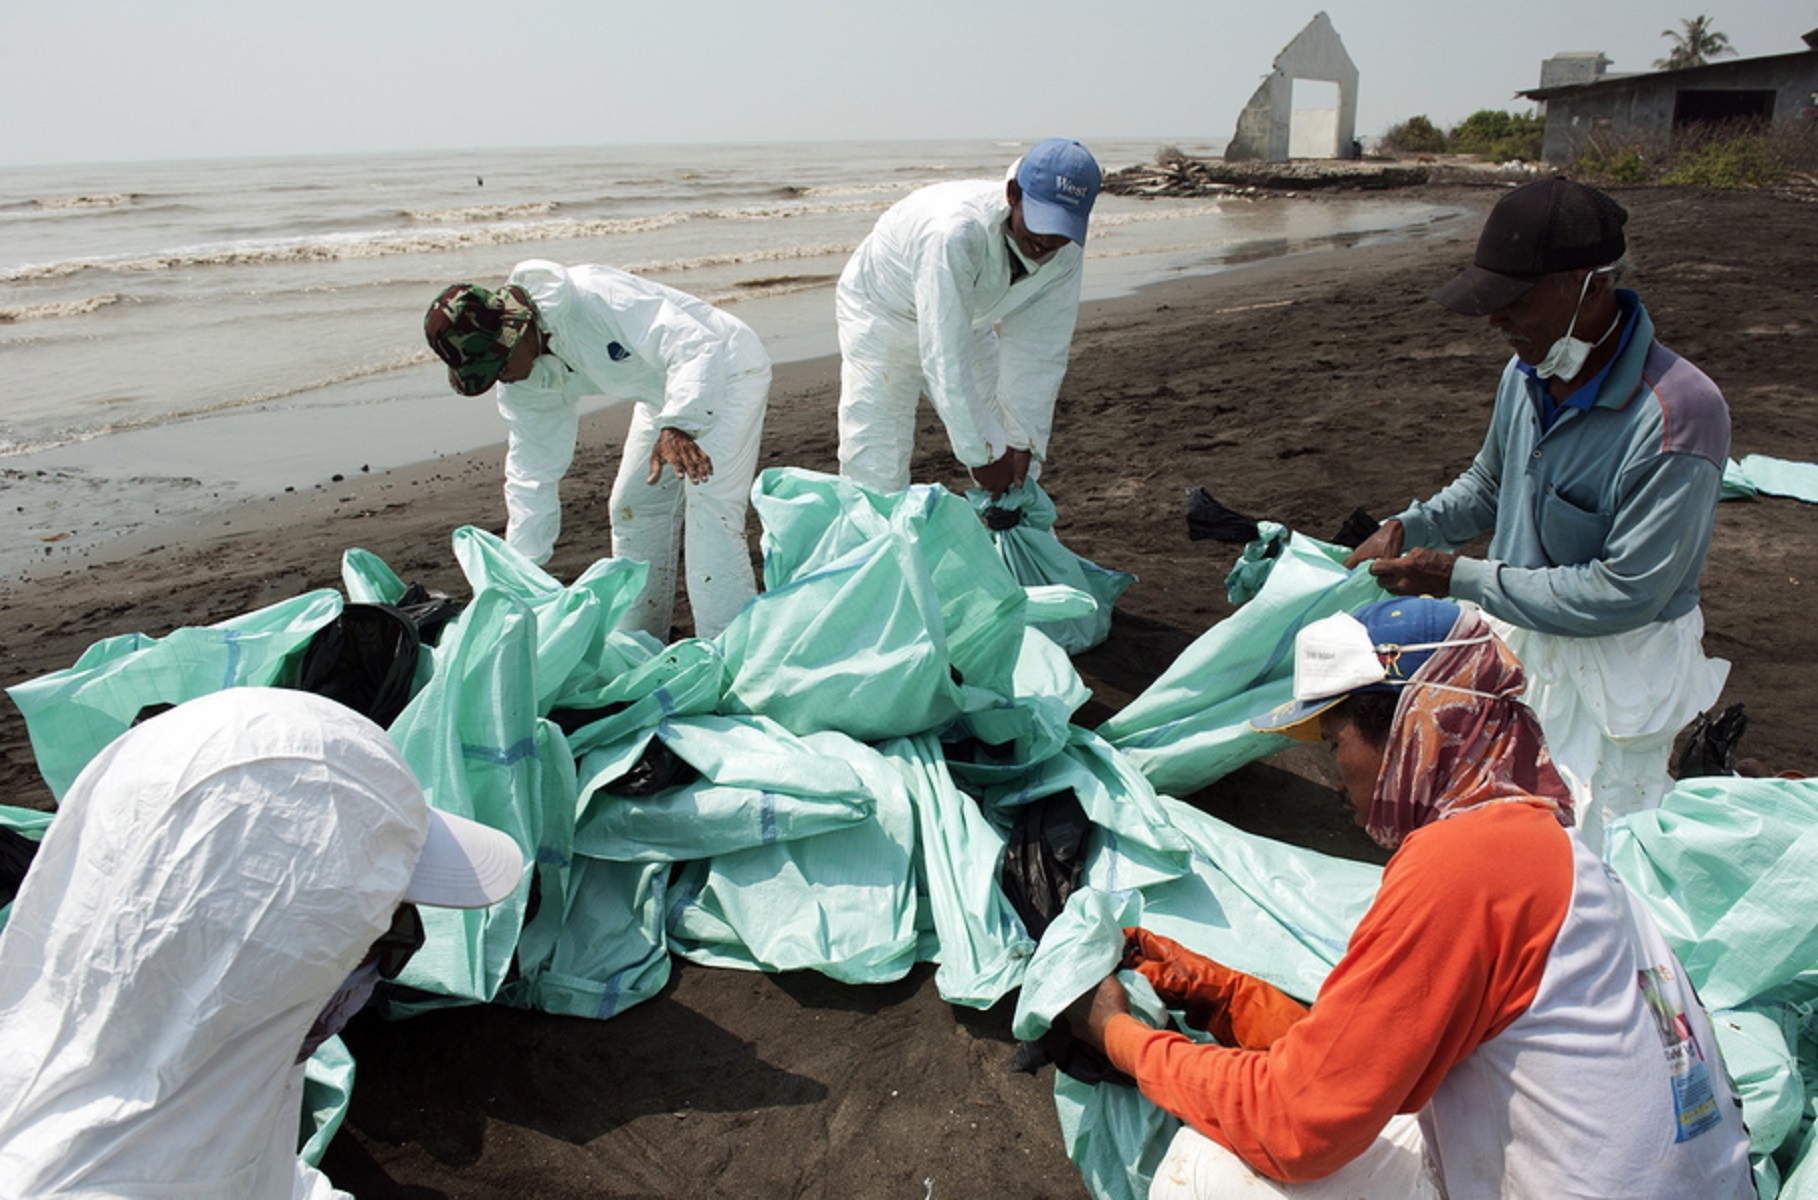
x,y
1611,706
702,522
880,382
1393,1168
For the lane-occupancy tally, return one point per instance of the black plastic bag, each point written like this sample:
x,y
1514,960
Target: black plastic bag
x,y
1207,519
1356,530
1044,859
366,658
1710,749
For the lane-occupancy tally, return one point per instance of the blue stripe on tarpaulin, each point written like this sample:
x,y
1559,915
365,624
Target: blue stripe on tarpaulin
x,y
511,755
1111,860
230,640
549,856
767,818
683,899
666,700
609,999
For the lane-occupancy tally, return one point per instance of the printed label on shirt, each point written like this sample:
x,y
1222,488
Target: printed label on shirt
x,y
1694,1100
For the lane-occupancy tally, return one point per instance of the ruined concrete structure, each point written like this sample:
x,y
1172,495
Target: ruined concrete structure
x,y
1271,129
1621,110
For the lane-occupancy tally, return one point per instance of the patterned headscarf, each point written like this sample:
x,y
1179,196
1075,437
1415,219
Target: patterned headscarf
x,y
1461,739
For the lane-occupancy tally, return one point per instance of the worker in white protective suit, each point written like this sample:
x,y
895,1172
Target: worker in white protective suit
x,y
700,379
967,291
217,893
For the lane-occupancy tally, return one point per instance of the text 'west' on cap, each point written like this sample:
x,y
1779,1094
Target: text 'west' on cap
x,y
1059,179
1539,229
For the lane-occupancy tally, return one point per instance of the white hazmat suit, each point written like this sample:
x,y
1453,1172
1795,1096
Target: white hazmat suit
x,y
687,366
926,304
210,880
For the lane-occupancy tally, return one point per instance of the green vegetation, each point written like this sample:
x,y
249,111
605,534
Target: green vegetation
x,y
1747,161
1694,44
1499,136
1734,155
1416,135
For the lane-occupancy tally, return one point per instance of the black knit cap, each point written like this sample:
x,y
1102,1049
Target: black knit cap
x,y
1538,229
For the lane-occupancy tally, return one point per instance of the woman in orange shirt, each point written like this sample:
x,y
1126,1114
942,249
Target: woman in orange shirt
x,y
1501,986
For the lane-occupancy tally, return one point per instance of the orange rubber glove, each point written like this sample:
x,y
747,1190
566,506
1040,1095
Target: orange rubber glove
x,y
1239,1010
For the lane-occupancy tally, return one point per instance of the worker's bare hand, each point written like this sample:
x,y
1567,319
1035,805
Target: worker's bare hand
x,y
1088,1015
998,475
683,454
1384,543
1019,465
1420,572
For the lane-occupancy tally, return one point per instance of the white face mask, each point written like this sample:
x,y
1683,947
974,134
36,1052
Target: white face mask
x,y
1566,357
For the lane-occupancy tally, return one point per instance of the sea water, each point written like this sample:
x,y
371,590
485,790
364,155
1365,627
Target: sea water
x,y
183,336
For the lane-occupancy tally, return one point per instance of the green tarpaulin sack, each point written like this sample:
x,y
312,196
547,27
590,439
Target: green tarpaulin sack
x,y
1113,1134
1718,864
812,521
752,784
858,647
1757,474
474,740
686,679
1000,743
606,946
73,714
980,944
1192,725
328,1079
1021,525
578,647
841,903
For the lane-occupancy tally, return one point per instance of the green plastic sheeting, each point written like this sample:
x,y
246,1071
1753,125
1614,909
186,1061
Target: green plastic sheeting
x,y
1726,866
1757,474
1192,725
1036,557
1719,864
814,521
841,903
758,784
980,942
328,1079
71,715
474,740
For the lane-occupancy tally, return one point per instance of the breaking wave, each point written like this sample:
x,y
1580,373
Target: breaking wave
x,y
68,308
334,247
483,212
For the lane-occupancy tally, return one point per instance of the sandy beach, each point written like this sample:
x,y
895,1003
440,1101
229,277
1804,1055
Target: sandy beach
x,y
1294,389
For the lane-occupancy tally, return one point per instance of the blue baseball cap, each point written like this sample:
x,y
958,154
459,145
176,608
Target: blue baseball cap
x,y
1376,649
1059,179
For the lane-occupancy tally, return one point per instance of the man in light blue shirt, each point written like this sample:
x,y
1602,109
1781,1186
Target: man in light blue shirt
x,y
1598,482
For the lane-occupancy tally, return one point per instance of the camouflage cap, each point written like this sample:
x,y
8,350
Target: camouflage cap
x,y
474,330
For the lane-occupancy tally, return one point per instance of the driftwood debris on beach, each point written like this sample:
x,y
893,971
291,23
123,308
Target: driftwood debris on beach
x,y
1175,174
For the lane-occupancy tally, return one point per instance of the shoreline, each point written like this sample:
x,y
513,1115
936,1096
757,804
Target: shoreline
x,y
356,489
102,498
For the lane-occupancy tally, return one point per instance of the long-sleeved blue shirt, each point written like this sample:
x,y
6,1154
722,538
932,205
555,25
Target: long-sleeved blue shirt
x,y
1601,523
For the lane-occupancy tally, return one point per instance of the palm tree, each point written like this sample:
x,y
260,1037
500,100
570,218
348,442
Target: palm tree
x,y
1694,44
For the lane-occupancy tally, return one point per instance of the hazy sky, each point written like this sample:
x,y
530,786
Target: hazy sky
x,y
115,80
